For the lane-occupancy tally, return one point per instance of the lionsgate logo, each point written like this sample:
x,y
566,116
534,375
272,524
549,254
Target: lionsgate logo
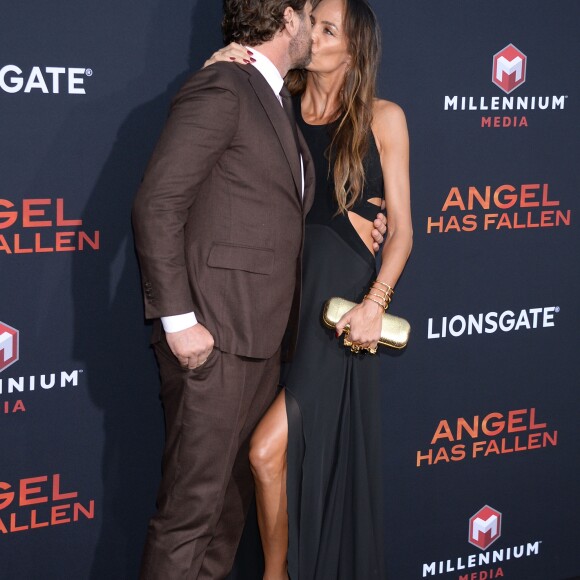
x,y
484,530
509,69
491,322
9,349
49,79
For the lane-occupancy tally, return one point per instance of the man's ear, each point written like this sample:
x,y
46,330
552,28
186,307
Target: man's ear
x,y
290,21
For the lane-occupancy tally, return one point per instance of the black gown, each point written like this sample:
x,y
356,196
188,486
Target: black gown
x,y
332,395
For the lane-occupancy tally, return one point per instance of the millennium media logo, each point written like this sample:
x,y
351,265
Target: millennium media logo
x,y
14,390
509,68
484,527
509,72
9,348
484,530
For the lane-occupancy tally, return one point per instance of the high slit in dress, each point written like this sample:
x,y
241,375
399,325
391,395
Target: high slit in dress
x,y
332,395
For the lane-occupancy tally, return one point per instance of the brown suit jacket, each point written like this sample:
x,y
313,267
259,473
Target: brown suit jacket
x,y
219,217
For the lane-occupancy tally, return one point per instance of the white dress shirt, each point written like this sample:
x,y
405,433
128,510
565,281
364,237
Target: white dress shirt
x,y
272,75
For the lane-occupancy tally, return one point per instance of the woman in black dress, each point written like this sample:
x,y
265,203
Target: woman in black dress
x,y
315,454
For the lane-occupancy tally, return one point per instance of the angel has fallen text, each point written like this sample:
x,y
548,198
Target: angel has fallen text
x,y
496,433
501,207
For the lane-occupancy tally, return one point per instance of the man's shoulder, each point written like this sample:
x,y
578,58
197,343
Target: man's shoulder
x,y
218,81
229,76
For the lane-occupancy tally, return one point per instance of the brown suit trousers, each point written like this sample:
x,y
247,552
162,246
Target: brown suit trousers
x,y
207,485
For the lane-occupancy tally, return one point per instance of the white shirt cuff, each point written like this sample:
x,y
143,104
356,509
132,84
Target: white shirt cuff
x,y
178,322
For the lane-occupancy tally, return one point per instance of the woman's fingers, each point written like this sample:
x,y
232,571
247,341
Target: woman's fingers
x,y
233,52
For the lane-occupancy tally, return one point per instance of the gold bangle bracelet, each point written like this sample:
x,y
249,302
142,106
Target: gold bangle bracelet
x,y
377,295
384,307
389,288
386,295
389,291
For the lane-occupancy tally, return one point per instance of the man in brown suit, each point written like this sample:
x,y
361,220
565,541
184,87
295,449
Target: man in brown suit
x,y
219,223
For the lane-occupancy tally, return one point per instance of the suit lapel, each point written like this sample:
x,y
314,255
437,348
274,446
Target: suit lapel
x,y
280,122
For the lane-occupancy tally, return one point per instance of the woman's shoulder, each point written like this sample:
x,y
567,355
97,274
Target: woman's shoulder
x,y
389,121
387,112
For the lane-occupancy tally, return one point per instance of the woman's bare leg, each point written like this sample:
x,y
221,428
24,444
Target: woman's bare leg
x,y
268,460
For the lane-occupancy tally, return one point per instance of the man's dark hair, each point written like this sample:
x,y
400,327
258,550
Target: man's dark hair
x,y
252,22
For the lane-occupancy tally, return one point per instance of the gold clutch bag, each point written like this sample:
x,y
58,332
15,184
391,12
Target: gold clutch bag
x,y
394,333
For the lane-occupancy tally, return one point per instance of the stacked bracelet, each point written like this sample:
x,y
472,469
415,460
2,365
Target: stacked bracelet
x,y
383,292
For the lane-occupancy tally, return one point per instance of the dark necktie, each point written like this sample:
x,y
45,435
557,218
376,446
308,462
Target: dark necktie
x,y
289,109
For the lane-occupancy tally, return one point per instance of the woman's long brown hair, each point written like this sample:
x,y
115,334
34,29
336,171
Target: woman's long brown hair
x,y
351,138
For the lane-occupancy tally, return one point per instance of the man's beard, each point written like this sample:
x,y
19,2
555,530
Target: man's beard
x,y
301,50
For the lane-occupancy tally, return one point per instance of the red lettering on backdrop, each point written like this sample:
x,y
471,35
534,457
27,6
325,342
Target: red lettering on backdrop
x,y
26,490
28,213
525,201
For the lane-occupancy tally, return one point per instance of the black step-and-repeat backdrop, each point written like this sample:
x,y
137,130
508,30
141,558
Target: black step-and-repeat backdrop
x,y
481,423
